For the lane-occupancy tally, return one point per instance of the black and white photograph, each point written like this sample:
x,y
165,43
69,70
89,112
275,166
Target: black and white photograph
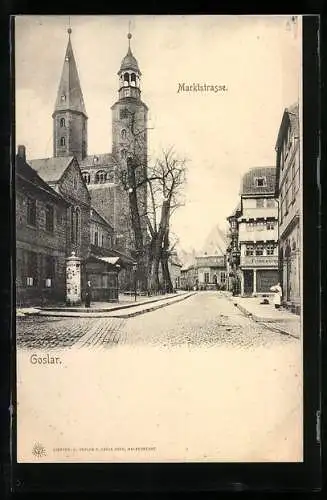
x,y
158,211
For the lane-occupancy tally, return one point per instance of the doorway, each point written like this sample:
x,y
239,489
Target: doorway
x,y
248,281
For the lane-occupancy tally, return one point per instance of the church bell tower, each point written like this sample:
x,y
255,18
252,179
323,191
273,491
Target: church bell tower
x,y
69,116
129,127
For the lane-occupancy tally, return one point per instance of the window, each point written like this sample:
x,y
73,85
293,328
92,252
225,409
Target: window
x,y
62,141
133,79
293,181
49,218
206,277
260,226
270,249
123,153
62,122
63,98
260,181
72,225
259,249
260,203
270,226
270,203
123,113
286,194
102,240
96,238
249,250
77,225
86,177
100,177
31,212
123,134
31,269
50,264
126,80
222,277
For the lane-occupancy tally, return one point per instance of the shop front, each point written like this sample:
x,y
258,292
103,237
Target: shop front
x,y
259,274
103,273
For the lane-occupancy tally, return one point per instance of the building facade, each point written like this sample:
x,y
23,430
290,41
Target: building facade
x,y
42,216
258,232
211,272
288,191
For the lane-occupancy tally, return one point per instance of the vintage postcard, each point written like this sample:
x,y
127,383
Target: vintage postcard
x,y
158,187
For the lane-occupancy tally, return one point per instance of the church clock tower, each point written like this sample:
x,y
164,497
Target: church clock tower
x,y
69,116
129,126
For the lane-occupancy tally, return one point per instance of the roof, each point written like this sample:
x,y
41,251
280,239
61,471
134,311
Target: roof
x,y
26,172
96,161
216,243
103,219
129,62
51,169
290,116
248,184
70,96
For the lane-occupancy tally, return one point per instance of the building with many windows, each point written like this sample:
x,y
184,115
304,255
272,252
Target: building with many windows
x,y
288,191
258,232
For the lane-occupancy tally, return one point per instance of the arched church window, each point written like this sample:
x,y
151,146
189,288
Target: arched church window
x,y
133,79
62,122
123,134
86,177
126,80
72,225
62,141
100,177
77,225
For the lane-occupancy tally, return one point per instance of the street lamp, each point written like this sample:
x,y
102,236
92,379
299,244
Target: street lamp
x,y
135,290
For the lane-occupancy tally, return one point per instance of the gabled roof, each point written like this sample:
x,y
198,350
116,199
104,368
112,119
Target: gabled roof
x,y
249,187
51,169
95,214
70,96
26,172
215,244
96,161
290,116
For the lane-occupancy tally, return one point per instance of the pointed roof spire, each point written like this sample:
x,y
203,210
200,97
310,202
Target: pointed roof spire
x,y
129,61
70,96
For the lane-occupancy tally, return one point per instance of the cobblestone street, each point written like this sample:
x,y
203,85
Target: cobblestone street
x,y
196,380
205,319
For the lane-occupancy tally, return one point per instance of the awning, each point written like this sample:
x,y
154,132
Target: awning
x,y
109,260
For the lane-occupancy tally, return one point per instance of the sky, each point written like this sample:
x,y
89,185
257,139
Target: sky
x,y
222,134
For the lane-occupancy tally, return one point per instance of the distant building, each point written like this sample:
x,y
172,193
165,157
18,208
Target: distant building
x,y
288,181
258,231
211,272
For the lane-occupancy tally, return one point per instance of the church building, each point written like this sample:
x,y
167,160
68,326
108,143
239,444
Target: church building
x,y
95,188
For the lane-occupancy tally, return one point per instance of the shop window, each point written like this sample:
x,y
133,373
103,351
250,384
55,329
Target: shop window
x,y
260,203
49,218
31,211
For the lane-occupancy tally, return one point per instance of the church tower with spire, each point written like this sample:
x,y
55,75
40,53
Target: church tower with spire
x,y
129,126
69,116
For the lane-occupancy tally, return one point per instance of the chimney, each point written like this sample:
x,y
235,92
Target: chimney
x,y
21,152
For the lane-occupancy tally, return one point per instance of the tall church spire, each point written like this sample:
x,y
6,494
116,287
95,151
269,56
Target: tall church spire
x,y
69,116
70,94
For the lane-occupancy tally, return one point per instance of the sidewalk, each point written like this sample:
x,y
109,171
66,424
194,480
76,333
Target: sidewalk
x,y
279,319
125,308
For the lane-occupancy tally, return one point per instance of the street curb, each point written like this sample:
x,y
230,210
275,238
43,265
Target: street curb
x,y
153,308
111,313
263,321
114,308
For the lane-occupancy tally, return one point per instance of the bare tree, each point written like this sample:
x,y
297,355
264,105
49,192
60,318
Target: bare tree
x,y
166,180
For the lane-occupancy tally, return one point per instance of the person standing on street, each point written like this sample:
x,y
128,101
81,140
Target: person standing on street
x,y
278,295
88,294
